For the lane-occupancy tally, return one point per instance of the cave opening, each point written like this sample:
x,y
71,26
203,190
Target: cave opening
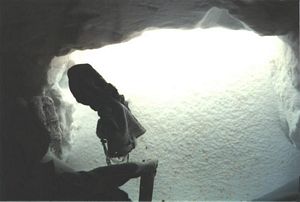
x,y
204,95
221,107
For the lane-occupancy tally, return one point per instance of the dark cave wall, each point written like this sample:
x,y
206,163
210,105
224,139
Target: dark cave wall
x,y
31,36
32,32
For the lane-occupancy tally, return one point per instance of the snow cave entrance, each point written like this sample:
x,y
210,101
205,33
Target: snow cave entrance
x,y
204,95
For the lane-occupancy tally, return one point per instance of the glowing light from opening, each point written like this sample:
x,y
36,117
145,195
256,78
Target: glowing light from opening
x,y
166,64
194,90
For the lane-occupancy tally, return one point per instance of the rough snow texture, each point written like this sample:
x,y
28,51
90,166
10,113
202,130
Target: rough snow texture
x,y
57,81
33,32
283,77
224,140
43,108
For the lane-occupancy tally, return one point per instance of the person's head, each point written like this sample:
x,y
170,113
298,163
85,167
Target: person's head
x,y
86,84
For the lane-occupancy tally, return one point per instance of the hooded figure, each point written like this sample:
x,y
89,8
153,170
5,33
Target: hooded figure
x,y
117,126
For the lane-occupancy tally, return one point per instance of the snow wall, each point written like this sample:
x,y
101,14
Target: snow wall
x,y
219,106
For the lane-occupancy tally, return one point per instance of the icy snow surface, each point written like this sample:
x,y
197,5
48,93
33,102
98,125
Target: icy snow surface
x,y
213,104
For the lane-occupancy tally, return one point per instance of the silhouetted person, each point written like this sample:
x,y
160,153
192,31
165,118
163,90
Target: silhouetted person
x,y
29,173
117,126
